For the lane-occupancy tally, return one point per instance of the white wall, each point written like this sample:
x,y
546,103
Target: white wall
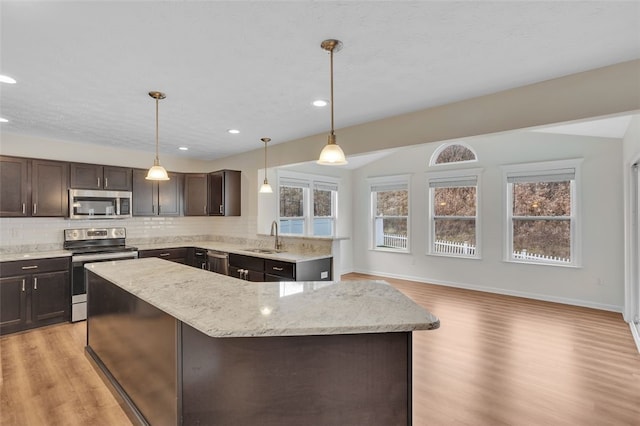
x,y
598,283
630,155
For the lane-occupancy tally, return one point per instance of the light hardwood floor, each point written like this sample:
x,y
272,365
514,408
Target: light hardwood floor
x,y
496,360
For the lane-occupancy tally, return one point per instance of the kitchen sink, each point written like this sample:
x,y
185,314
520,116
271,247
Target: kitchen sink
x,y
262,250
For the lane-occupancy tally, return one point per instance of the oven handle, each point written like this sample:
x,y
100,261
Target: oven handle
x,y
104,256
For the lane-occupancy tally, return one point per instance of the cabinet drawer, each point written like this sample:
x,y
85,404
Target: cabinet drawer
x,y
35,266
246,262
281,269
179,253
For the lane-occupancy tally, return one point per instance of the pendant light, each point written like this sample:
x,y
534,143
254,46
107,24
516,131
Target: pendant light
x,y
157,172
332,153
265,188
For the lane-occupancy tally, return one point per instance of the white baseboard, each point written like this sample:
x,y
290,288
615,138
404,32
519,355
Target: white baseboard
x,y
527,295
635,332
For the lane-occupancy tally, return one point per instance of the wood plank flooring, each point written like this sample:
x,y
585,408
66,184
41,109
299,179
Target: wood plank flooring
x,y
496,360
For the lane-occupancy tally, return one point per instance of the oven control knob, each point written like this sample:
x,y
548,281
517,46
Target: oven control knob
x,y
119,233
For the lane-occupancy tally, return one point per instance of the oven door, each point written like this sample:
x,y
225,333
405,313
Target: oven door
x,y
78,283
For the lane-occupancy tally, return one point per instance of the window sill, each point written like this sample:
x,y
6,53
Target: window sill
x,y
390,250
306,237
561,265
454,256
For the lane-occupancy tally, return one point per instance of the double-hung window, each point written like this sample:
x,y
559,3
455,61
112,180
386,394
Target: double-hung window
x,y
307,205
542,213
453,213
390,213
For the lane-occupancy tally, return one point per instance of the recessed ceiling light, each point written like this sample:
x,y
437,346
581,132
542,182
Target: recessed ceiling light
x,y
320,103
183,148
3,120
233,131
6,79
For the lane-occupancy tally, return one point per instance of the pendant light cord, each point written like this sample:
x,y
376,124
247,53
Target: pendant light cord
x,y
331,66
157,156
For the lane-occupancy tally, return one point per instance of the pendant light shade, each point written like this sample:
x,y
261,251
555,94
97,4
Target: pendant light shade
x,y
157,172
332,154
265,188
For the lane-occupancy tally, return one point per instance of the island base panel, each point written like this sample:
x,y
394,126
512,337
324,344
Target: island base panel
x,y
359,379
136,346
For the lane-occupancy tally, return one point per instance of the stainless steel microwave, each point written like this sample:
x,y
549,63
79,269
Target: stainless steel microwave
x,y
96,204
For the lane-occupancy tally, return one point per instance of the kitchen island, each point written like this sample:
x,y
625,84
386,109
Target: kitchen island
x,y
182,346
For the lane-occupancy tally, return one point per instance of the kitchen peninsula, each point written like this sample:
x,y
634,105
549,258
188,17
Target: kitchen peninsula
x,y
183,346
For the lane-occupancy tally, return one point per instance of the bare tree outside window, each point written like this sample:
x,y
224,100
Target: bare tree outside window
x,y
455,214
455,154
542,218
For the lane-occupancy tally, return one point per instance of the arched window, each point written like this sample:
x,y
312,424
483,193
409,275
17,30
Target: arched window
x,y
453,153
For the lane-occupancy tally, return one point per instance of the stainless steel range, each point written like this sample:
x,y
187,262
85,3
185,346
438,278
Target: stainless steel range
x,y
92,245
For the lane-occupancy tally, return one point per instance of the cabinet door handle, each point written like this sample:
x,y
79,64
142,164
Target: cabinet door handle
x,y
153,208
23,283
106,182
35,283
98,182
35,208
204,209
275,268
24,268
164,254
24,208
221,206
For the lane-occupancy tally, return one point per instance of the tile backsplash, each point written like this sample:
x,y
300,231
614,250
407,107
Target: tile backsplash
x,y
41,234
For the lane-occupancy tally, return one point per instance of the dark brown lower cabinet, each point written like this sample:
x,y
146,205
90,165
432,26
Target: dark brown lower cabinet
x,y
33,294
252,268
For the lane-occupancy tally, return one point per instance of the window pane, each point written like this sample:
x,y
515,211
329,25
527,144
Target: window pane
x,y
291,201
323,226
292,226
455,153
456,230
542,199
322,203
455,201
391,232
392,203
537,238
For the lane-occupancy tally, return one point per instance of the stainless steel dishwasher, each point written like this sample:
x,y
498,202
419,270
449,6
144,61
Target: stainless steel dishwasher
x,y
218,261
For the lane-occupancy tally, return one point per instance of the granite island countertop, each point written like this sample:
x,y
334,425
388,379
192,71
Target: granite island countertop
x,y
222,306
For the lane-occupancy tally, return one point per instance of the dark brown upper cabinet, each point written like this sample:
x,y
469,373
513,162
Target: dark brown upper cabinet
x,y
225,193
15,196
33,187
195,194
94,176
156,198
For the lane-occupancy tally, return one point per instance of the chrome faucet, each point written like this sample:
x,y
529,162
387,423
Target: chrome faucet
x,y
274,226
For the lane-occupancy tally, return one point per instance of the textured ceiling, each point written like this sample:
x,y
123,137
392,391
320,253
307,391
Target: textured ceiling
x,y
84,68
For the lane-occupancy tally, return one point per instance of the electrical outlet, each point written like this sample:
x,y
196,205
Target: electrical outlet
x,y
324,274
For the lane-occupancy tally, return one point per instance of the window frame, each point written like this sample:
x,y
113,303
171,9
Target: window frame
x,y
438,151
453,177
539,170
308,183
393,180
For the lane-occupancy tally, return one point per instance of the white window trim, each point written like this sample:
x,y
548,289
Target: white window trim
x,y
438,151
309,180
542,168
452,175
388,180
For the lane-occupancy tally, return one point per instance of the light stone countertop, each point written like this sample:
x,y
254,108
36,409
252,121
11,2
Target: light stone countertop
x,y
285,256
221,306
10,257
